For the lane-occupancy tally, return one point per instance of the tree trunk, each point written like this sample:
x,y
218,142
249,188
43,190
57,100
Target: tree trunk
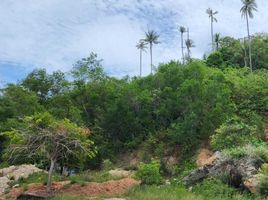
x,y
140,61
212,40
182,48
249,45
49,179
151,53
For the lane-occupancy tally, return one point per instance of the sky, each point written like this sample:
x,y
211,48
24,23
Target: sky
x,y
54,34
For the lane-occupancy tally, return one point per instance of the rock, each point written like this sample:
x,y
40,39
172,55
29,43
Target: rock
x,y
17,172
16,186
4,185
252,184
196,176
205,157
121,173
238,170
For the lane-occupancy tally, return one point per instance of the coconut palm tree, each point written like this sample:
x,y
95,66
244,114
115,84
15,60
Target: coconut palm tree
x,y
212,17
189,44
142,47
151,37
217,40
182,31
249,6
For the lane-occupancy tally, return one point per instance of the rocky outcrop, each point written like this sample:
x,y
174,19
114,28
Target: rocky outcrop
x,y
121,173
240,171
12,173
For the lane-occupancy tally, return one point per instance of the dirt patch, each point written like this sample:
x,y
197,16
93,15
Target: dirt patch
x,y
205,157
108,189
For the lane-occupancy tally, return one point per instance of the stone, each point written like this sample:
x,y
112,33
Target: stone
x,y
237,169
252,184
121,173
4,185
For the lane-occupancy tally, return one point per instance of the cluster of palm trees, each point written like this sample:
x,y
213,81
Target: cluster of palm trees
x,y
151,38
189,43
248,7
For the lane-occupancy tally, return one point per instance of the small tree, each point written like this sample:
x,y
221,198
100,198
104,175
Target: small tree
x,y
43,136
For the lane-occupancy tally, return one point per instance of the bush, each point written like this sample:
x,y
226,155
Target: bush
x,y
212,188
233,133
263,183
250,150
107,164
149,174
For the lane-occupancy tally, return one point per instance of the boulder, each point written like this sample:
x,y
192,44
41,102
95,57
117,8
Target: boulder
x,y
252,184
240,171
121,173
4,185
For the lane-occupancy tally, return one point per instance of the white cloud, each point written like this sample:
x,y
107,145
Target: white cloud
x,y
56,33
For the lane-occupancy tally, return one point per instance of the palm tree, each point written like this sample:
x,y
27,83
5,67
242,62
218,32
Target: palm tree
x,y
217,40
211,14
189,44
247,12
182,31
151,37
142,47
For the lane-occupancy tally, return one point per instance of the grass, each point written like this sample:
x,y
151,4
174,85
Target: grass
x,y
93,176
173,192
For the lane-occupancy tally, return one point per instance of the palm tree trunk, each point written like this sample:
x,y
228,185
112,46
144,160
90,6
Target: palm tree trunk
x,y
140,61
151,53
249,44
49,179
212,40
182,48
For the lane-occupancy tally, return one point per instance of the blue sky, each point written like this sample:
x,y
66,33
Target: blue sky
x,y
54,34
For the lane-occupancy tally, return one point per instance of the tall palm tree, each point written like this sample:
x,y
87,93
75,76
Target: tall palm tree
x,y
151,37
182,31
189,44
217,40
247,12
142,47
212,17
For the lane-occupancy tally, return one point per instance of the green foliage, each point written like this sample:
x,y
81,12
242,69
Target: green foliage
x,y
257,150
263,182
149,173
214,188
215,60
234,133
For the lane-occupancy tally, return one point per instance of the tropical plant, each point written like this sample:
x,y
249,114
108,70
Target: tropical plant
x,y
142,47
189,44
249,6
182,31
217,40
212,17
151,37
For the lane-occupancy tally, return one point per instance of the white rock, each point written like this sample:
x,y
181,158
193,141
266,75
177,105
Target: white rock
x,y
4,184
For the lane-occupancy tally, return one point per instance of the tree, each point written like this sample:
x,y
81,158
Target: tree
x,y
211,14
87,70
182,31
247,12
43,136
189,44
217,40
142,47
151,37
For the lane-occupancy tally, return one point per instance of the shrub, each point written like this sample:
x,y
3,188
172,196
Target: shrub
x,y
263,182
233,133
250,150
150,173
107,164
212,188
